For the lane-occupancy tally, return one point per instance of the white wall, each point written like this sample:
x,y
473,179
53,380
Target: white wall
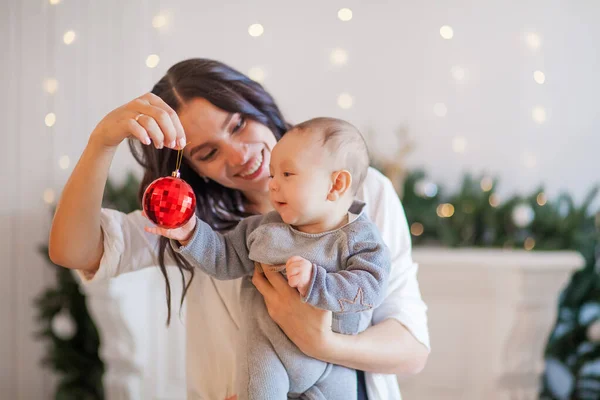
x,y
398,68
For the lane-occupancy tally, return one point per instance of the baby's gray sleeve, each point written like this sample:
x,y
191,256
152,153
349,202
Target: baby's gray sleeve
x,y
223,256
361,284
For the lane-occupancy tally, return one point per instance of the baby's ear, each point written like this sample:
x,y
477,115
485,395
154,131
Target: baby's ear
x,y
341,181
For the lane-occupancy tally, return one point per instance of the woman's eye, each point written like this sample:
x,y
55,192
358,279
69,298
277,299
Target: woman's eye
x,y
209,155
240,125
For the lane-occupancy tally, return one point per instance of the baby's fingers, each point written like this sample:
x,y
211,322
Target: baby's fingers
x,y
158,231
294,281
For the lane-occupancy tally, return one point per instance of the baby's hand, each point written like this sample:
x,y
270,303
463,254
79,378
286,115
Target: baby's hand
x,y
299,273
182,234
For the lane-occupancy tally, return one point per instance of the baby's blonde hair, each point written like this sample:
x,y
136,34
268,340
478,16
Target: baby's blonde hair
x,y
344,142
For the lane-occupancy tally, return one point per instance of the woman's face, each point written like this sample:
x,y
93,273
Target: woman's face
x,y
227,148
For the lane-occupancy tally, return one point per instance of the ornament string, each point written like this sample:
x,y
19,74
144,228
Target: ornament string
x,y
179,160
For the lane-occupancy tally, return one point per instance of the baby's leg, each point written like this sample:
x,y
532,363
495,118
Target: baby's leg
x,y
303,371
261,374
339,384
268,379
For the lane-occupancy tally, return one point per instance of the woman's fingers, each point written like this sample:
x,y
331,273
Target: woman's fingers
x,y
138,131
262,284
156,121
276,280
152,129
179,133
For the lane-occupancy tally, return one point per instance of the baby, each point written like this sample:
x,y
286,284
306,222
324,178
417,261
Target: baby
x,y
332,254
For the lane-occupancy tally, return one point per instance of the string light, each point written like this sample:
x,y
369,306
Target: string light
x,y
533,40
64,162
440,110
159,21
257,74
50,119
529,244
417,229
486,184
256,30
69,37
494,200
345,101
445,210
338,57
459,144
447,32
48,196
541,199
425,189
539,77
50,85
539,114
345,14
522,215
152,61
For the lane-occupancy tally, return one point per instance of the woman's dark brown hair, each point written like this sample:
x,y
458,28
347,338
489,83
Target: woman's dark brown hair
x,y
232,91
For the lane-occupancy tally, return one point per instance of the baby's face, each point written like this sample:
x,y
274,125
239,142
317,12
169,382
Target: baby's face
x,y
300,179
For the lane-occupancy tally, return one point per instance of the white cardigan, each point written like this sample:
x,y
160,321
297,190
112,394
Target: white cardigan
x,y
210,351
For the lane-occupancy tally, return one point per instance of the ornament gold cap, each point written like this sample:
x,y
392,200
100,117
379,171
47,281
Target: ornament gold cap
x,y
175,174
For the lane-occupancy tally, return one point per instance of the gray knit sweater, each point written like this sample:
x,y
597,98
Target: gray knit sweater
x,y
351,264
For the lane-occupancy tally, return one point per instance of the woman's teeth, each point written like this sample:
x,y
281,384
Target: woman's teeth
x,y
254,166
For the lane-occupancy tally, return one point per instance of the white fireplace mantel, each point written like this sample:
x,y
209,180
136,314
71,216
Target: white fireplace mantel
x,y
490,312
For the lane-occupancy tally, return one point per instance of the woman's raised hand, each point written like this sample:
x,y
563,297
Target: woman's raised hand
x,y
148,118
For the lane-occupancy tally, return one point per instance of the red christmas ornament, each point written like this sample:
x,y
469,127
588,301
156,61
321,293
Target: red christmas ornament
x,y
169,201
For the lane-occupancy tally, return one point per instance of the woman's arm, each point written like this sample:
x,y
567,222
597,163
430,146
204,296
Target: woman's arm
x,y
384,348
387,348
76,240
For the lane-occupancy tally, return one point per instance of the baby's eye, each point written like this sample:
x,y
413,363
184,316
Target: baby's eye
x,y
286,174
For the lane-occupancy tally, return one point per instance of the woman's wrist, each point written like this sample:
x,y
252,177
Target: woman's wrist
x,y
96,143
332,349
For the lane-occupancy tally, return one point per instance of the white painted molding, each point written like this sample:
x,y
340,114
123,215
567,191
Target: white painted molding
x,y
490,314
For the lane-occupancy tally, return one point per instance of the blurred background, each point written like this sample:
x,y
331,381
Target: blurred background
x,y
483,114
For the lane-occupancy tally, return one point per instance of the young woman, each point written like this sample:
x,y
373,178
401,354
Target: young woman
x,y
231,124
